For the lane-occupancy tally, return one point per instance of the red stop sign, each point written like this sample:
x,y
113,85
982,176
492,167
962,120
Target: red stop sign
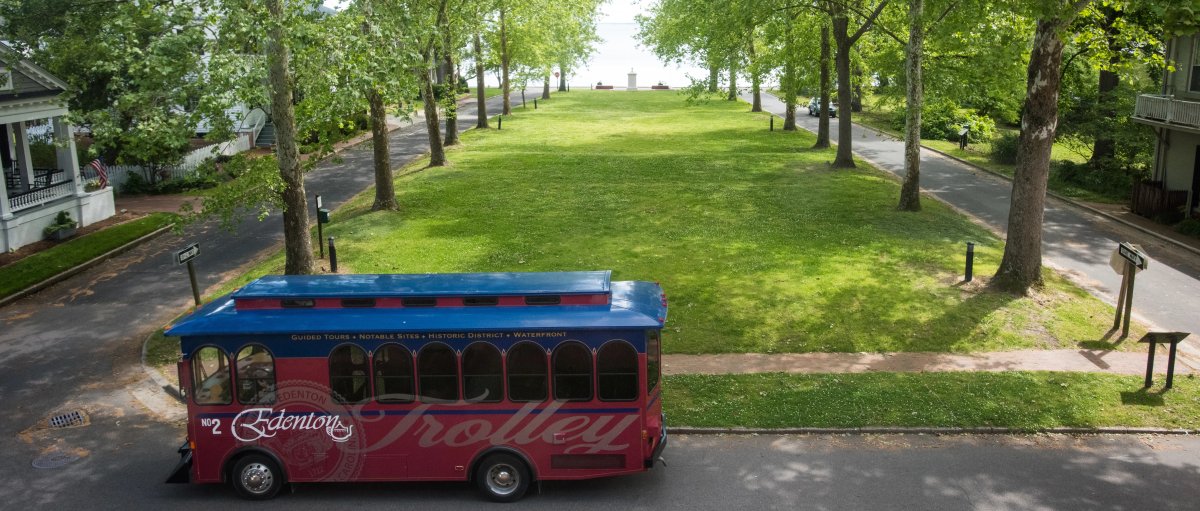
x,y
556,74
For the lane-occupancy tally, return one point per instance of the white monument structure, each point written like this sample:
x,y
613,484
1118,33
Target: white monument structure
x,y
632,80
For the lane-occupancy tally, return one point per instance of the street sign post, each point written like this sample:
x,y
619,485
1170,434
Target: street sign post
x,y
186,256
1127,260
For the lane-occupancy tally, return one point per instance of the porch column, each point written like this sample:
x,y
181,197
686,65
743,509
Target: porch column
x,y
5,208
64,150
24,159
5,147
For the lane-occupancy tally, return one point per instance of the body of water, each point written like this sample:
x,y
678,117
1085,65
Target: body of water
x,y
619,52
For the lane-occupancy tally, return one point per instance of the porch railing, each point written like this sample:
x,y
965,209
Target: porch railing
x,y
41,195
1167,109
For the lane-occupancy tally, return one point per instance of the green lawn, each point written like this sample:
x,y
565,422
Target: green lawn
x,y
760,246
50,262
1020,400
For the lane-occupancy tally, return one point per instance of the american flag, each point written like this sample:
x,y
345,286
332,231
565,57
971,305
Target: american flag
x,y
101,172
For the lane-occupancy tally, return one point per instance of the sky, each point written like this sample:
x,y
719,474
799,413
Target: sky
x,y
619,54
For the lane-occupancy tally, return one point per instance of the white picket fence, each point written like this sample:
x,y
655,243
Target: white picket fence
x,y
118,175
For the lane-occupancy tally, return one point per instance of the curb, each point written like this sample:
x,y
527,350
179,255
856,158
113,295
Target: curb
x,y
158,379
71,272
888,430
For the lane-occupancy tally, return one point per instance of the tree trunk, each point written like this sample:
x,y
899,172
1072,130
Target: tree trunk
x,y
385,192
504,58
1105,148
714,74
910,191
755,81
437,152
1021,266
546,88
562,78
856,100
450,83
297,240
845,155
823,99
732,82
480,93
789,78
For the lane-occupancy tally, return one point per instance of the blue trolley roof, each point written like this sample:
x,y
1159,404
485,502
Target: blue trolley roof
x,y
432,284
621,305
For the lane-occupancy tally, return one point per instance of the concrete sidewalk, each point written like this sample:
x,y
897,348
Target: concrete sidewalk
x,y
1076,242
1096,361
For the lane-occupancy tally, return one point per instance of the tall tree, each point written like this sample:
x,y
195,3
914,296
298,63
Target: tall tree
x,y
480,93
296,238
844,41
910,191
825,89
1021,266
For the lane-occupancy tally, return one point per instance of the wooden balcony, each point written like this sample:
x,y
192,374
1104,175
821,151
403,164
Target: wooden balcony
x,y
1168,112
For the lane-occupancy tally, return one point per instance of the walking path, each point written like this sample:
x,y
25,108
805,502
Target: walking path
x,y
1075,241
1112,362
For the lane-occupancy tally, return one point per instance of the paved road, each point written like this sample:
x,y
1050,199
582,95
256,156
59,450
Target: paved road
x,y
1074,240
832,472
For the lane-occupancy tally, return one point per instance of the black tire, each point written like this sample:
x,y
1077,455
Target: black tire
x,y
502,477
256,477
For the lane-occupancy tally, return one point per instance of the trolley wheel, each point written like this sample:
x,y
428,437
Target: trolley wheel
x,y
502,477
256,477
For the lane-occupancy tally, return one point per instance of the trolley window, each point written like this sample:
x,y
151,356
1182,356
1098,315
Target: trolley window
x,y
572,372
437,368
483,379
617,372
348,374
255,375
653,360
394,374
210,377
528,374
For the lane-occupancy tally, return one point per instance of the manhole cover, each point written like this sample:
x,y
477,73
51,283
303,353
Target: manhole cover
x,y
68,420
54,459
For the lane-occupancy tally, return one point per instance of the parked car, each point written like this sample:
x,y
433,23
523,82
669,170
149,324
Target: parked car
x,y
814,107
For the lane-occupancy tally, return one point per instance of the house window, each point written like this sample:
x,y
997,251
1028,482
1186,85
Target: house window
x,y
1194,83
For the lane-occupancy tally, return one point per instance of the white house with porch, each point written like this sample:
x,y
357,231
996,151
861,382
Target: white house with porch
x,y
31,197
1174,114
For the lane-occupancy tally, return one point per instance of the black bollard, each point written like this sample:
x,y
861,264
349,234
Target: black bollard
x,y
772,123
535,103
970,261
332,256
499,122
522,98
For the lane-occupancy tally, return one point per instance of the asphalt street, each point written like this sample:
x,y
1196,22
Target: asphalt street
x,y
1074,241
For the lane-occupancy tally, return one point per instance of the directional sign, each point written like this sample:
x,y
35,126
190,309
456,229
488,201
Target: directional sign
x,y
187,254
1163,337
1133,254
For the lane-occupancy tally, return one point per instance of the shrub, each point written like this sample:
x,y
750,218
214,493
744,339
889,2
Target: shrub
x,y
942,120
1190,227
1108,180
1004,148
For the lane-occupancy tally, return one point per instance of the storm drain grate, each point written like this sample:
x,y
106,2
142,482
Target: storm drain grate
x,y
68,420
54,459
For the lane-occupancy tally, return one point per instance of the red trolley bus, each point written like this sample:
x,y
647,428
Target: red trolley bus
x,y
500,379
